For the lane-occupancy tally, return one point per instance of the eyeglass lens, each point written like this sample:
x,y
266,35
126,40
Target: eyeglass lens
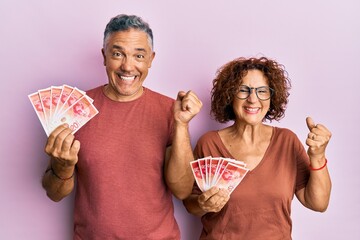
x,y
263,93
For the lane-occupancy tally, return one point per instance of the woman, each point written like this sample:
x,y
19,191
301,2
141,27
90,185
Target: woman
x,y
249,92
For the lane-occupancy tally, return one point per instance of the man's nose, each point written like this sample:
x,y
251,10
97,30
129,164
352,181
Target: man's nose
x,y
126,64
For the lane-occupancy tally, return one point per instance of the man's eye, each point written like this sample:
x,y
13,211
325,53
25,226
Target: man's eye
x,y
117,54
140,56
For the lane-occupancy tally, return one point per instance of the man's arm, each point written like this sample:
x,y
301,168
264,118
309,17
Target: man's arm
x,y
57,187
178,174
58,180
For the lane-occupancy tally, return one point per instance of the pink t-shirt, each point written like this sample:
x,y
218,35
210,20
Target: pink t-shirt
x,y
259,208
121,192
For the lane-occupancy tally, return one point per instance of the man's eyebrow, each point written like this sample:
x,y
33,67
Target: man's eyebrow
x,y
117,47
140,49
121,48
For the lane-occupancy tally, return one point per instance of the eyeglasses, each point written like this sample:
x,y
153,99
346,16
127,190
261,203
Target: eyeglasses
x,y
263,93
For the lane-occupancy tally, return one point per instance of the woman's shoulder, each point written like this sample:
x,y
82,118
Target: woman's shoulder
x,y
209,144
210,139
283,130
285,133
209,135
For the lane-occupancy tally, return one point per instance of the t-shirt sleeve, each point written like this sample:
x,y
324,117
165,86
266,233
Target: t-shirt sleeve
x,y
302,165
170,123
198,151
201,150
208,145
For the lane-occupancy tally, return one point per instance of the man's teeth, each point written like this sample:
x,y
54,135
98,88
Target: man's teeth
x,y
127,78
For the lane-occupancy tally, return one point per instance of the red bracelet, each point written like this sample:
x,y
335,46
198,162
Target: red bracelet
x,y
315,169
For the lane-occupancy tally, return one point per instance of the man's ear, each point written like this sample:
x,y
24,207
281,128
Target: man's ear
x,y
151,58
104,56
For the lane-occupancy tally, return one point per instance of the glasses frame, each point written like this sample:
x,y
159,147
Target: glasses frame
x,y
256,92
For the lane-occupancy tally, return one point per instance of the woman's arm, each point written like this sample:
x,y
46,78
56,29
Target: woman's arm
x,y
212,200
316,194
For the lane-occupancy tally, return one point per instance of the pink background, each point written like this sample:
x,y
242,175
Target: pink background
x,y
46,43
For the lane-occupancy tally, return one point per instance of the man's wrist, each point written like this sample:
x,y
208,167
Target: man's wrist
x,y
179,124
62,173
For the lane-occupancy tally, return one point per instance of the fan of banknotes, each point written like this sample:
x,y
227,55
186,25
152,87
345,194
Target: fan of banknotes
x,y
217,171
57,105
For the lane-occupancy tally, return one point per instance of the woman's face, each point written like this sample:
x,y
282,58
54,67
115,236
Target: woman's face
x,y
252,110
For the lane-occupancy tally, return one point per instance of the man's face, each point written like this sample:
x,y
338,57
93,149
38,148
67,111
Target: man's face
x,y
127,58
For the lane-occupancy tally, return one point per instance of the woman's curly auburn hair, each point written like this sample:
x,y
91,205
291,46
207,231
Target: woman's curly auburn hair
x,y
229,78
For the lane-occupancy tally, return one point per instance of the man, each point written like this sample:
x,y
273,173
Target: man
x,y
133,154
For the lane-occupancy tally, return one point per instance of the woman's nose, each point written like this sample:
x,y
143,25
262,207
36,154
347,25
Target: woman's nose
x,y
252,96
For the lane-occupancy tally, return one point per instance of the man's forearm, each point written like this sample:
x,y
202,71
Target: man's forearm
x,y
179,176
58,184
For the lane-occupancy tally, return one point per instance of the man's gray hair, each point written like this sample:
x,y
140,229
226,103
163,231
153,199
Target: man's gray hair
x,y
125,22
